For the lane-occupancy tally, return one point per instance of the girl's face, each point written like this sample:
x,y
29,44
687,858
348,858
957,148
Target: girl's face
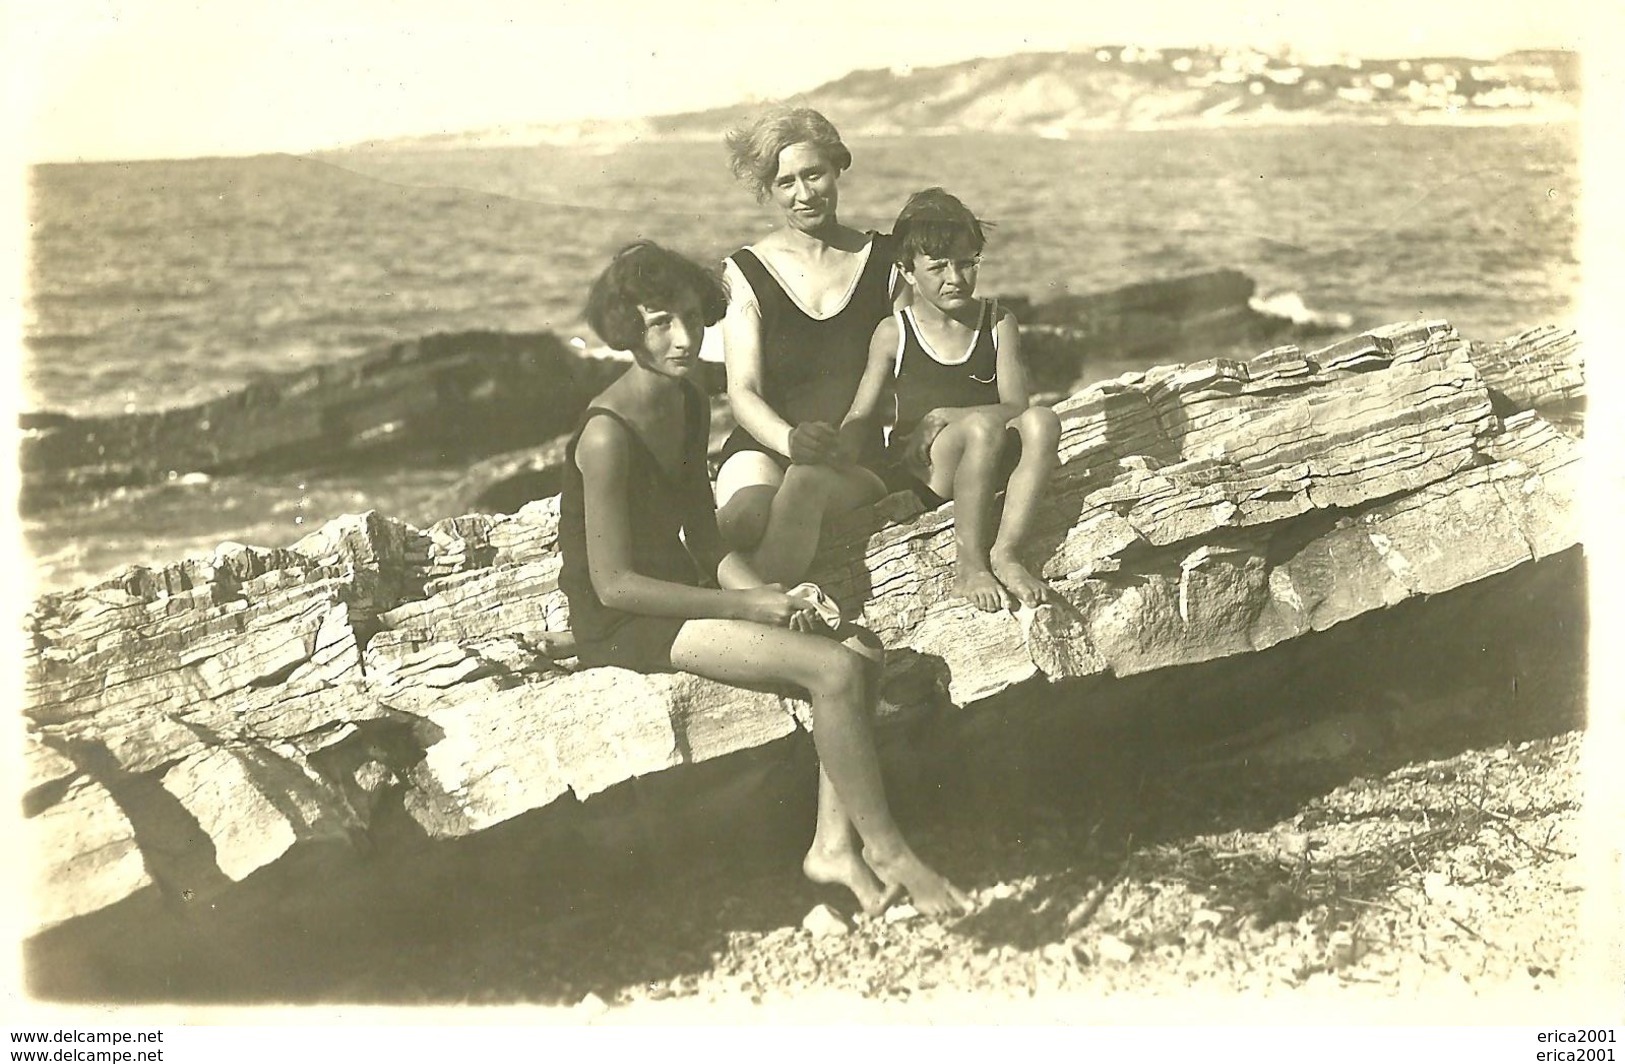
x,y
805,188
671,337
947,282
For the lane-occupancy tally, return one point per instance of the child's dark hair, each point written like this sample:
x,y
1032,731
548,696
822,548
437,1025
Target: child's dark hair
x,y
646,274
935,224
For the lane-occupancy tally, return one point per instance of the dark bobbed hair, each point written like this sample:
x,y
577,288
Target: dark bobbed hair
x,y
646,274
753,152
936,224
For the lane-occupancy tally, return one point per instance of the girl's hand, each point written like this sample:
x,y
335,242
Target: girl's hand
x,y
768,605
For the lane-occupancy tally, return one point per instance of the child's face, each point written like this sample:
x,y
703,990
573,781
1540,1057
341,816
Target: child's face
x,y
671,337
947,282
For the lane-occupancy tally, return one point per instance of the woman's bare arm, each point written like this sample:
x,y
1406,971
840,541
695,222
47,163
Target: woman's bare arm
x,y
742,356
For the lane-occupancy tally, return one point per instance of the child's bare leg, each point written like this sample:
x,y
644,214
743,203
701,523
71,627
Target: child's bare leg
x,y
964,464
1040,430
837,681
808,494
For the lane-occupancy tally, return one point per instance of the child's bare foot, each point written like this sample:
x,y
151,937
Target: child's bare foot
x,y
980,588
1019,580
844,868
927,889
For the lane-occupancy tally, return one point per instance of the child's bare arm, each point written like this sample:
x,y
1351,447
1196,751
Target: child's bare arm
x,y
1014,391
867,404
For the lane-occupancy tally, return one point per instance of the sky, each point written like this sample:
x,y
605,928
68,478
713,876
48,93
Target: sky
x,y
109,79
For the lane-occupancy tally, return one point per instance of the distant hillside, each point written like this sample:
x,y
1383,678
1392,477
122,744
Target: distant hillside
x,y
1124,87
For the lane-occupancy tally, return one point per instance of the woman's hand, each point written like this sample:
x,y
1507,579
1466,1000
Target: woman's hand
x,y
814,443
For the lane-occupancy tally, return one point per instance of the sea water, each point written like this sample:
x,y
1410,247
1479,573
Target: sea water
x,y
162,283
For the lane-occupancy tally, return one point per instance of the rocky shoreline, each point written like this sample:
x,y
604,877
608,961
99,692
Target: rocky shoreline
x,y
459,398
220,747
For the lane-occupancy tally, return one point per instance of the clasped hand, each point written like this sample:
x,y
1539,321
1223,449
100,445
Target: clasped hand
x,y
815,443
769,605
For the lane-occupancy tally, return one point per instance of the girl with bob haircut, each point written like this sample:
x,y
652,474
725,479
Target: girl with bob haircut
x,y
802,302
641,554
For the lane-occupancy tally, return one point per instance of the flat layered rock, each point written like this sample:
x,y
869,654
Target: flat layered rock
x,y
195,723
1539,369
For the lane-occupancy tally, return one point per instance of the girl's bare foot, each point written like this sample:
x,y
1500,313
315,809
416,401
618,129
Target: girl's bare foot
x,y
979,588
844,868
1019,580
927,889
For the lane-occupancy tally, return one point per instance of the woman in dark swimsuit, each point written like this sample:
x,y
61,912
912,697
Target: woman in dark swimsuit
x,y
637,529
803,302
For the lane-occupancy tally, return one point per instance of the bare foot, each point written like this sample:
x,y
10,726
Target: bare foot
x,y
1019,580
979,588
845,868
927,889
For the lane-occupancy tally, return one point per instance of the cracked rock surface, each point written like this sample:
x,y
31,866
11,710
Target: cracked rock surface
x,y
192,725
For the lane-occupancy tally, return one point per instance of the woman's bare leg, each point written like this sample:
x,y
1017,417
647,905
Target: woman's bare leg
x,y
964,467
1039,428
808,495
746,484
835,678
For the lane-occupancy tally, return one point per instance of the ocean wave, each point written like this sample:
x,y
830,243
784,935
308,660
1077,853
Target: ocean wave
x,y
1290,305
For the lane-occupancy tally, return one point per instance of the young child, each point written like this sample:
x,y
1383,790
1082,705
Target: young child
x,y
638,532
963,423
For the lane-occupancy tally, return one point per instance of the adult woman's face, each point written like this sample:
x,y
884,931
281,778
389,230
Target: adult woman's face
x,y
805,188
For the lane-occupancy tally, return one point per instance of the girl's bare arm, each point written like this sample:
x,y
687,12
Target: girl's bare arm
x,y
603,456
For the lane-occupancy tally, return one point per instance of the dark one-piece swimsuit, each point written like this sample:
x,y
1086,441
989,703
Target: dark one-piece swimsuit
x,y
811,366
923,382
663,509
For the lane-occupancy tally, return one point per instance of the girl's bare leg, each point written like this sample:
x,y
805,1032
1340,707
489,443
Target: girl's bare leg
x,y
835,678
964,466
834,856
1040,430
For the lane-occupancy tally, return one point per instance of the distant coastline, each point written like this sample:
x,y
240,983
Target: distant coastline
x,y
1059,95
